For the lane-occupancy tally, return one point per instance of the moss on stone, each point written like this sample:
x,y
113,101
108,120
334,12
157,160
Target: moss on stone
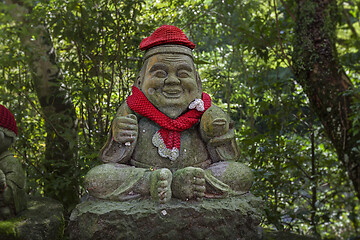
x,y
42,220
9,228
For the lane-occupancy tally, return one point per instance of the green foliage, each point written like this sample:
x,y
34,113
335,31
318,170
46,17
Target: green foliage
x,y
242,55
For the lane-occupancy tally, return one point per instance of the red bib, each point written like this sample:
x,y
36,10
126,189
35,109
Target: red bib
x,y
168,138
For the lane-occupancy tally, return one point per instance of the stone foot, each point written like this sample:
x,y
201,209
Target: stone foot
x,y
160,185
189,183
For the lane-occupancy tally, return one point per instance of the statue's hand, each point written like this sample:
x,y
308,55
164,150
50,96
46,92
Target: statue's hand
x,y
2,181
214,123
125,129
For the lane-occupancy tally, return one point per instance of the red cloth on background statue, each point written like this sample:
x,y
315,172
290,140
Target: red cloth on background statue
x,y
7,120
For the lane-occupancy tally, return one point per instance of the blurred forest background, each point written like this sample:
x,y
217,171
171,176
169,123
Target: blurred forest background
x,y
288,73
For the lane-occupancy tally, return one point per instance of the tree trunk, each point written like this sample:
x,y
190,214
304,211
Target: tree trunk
x,y
323,79
60,121
60,162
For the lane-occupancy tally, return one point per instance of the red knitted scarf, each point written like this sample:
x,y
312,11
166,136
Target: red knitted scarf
x,y
168,138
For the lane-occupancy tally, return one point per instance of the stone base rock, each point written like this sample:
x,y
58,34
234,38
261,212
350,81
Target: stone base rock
x,y
42,220
230,218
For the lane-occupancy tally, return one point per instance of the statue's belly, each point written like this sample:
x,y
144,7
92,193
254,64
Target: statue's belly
x,y
192,150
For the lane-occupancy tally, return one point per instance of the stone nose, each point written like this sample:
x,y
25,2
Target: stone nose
x,y
172,79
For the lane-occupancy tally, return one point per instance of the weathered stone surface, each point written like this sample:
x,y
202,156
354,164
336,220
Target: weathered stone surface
x,y
229,218
43,220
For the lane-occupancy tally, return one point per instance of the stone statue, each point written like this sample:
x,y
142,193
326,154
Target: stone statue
x,y
167,139
12,176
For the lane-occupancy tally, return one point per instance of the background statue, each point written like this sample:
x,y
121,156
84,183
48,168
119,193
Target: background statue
x,y
167,139
12,176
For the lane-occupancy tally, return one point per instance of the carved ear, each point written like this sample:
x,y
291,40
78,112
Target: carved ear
x,y
138,81
13,140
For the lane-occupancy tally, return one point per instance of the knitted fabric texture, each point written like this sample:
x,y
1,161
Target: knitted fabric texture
x,y
170,132
7,120
166,34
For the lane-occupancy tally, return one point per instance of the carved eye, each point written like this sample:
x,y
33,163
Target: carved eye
x,y
160,74
183,74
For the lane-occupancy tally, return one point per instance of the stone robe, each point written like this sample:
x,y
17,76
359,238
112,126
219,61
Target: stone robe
x,y
14,195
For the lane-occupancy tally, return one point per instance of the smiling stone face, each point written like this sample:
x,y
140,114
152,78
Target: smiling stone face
x,y
170,84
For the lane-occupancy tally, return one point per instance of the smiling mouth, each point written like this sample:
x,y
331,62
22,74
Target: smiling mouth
x,y
172,93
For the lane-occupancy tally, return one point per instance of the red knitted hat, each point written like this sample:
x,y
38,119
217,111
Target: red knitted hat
x,y
7,120
166,34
